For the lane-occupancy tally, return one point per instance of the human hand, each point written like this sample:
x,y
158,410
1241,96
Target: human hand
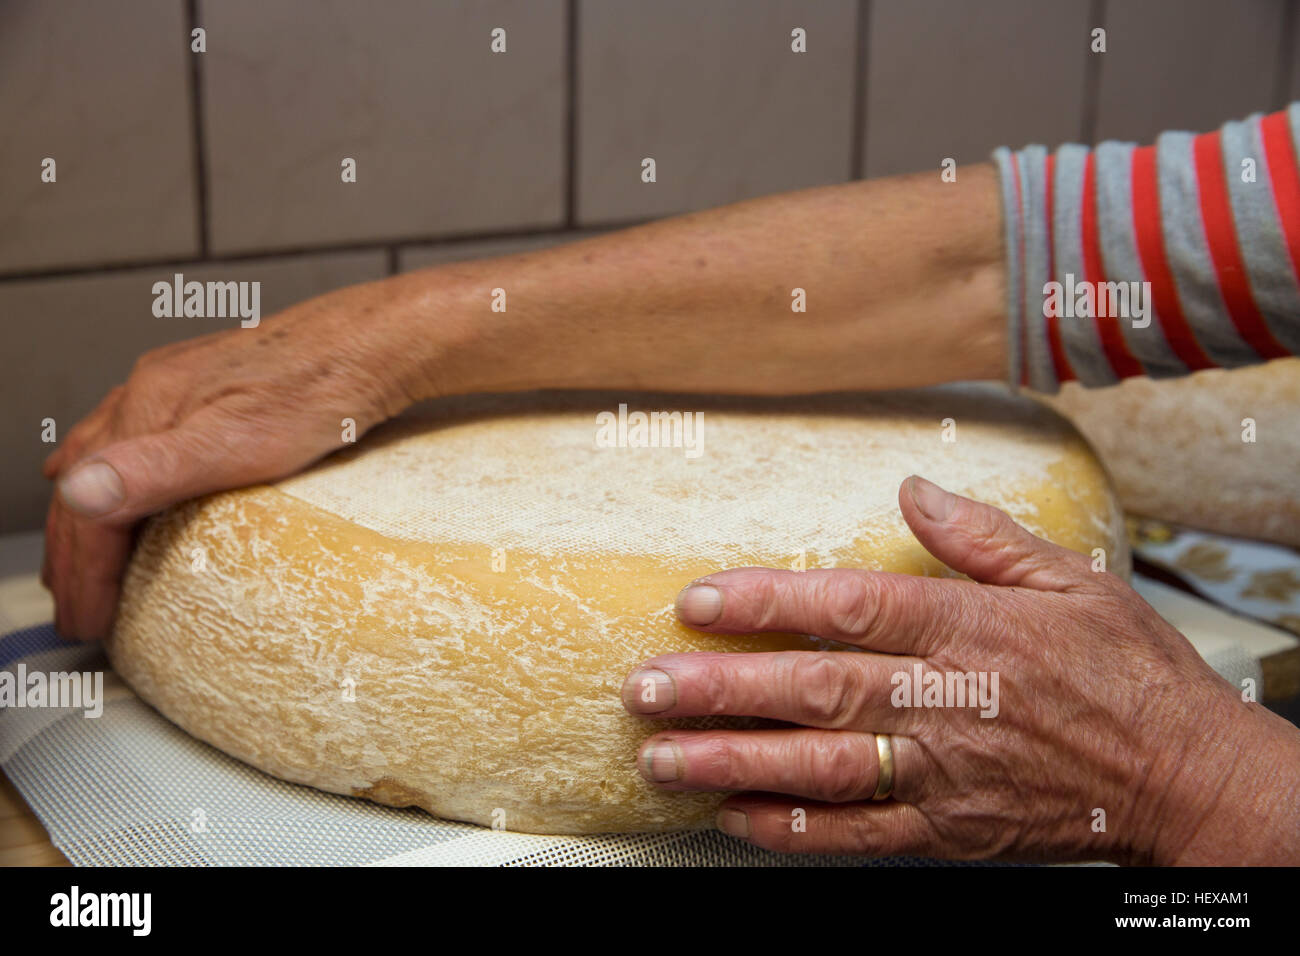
x,y
216,412
1097,704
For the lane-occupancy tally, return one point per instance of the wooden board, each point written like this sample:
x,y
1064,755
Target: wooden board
x,y
23,841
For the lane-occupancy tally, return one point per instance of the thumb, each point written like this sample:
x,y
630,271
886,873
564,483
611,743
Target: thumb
x,y
122,482
986,544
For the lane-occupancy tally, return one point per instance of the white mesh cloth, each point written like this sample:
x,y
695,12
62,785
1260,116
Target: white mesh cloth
x,y
130,788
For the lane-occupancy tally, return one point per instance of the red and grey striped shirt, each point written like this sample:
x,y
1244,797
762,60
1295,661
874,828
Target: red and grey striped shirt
x,y
1156,260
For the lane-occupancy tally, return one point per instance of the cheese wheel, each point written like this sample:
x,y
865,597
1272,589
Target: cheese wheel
x,y
1217,450
444,615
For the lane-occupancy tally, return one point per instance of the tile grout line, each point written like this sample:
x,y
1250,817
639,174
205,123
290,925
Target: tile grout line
x,y
571,115
200,146
291,252
1092,76
858,143
1285,58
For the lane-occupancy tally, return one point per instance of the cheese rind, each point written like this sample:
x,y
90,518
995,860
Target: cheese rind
x,y
375,627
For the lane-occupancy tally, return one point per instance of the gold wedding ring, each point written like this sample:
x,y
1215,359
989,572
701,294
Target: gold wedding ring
x,y
885,776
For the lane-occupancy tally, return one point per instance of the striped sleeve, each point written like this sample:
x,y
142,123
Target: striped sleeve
x,y
1155,260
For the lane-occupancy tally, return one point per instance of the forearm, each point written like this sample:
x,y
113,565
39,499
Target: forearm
x,y
1234,799
1258,818
903,280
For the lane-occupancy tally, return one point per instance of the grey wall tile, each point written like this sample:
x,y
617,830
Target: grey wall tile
x,y
103,90
1292,66
958,79
1186,64
20,553
68,341
420,257
448,136
714,94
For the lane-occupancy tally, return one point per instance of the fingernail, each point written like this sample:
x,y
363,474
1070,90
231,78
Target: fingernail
x,y
932,501
733,822
93,489
661,762
699,604
649,691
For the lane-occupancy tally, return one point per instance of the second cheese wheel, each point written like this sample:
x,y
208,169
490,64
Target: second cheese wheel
x,y
1217,450
443,616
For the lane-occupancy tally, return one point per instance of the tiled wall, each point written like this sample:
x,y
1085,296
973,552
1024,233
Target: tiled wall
x,y
226,164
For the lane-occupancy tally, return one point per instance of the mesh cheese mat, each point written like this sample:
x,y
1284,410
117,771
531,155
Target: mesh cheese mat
x,y
127,787
115,783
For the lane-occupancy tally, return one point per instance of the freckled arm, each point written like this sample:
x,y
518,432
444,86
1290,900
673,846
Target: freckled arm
x,y
903,280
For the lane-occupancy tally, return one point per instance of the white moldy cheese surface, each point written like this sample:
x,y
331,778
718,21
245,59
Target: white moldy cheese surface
x,y
809,478
443,616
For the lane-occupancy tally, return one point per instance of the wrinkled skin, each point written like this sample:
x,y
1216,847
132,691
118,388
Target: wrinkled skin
x,y
1102,704
208,414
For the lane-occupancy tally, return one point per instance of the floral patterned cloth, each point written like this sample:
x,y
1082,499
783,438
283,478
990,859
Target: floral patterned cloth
x,y
1250,577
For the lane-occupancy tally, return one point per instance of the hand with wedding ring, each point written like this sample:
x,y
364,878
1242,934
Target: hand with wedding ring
x,y
1107,736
